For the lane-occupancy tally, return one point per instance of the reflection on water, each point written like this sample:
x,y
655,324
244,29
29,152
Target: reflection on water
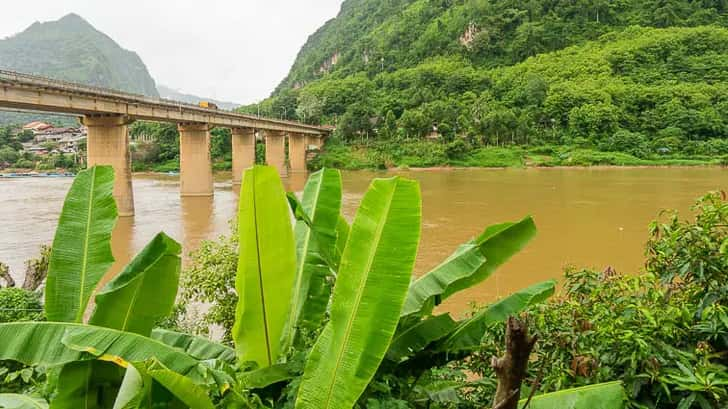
x,y
586,217
197,220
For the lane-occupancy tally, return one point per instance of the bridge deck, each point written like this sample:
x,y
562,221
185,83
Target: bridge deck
x,y
23,91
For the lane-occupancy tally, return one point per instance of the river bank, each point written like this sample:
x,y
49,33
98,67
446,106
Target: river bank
x,y
454,155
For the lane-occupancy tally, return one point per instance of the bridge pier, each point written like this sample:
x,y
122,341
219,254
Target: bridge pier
x,y
297,151
194,160
108,144
243,152
275,151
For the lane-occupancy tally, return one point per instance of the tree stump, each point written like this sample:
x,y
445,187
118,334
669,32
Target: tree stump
x,y
511,367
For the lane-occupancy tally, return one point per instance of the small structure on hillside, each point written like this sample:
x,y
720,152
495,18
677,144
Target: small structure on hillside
x,y
37,126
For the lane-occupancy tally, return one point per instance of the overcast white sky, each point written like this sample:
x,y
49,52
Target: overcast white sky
x,y
235,50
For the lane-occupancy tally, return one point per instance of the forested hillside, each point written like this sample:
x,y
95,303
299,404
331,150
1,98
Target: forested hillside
x,y
384,35
643,77
71,49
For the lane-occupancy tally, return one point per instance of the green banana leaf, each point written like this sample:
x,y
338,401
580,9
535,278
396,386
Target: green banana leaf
x,y
144,292
370,288
470,264
266,267
16,401
81,252
415,338
469,333
56,343
183,388
600,396
197,347
261,378
87,384
133,301
342,235
311,291
134,390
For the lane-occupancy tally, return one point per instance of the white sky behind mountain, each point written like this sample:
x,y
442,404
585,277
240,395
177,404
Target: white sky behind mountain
x,y
234,50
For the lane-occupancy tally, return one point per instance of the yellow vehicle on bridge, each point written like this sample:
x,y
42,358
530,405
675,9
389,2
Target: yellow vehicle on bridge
x,y
208,105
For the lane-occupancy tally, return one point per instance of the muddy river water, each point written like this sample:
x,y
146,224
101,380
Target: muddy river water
x,y
593,217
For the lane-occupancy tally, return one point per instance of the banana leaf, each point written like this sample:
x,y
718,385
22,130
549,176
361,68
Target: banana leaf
x,y
418,336
16,401
81,252
600,396
134,390
144,292
311,291
56,343
370,288
133,301
469,333
342,235
87,384
264,377
470,264
181,387
197,347
266,267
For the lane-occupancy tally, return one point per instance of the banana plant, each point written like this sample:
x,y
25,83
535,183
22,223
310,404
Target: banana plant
x,y
91,358
371,286
316,238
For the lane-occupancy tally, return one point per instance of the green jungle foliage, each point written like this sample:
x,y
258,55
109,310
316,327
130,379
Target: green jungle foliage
x,y
463,153
372,36
369,338
642,91
663,333
643,78
162,153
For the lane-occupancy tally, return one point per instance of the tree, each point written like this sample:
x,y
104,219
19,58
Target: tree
x,y
8,155
220,143
310,108
414,123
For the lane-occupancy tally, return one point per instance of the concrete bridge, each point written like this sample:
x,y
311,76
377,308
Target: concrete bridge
x,y
107,114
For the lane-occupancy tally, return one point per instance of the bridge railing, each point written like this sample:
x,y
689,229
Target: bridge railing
x,y
37,80
83,88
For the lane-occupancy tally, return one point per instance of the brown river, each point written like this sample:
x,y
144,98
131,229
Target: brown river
x,y
595,217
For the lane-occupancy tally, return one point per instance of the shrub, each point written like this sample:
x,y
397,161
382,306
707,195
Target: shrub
x,y
694,251
213,267
663,333
457,149
17,304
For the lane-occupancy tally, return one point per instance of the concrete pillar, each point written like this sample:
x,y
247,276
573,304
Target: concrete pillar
x,y
108,144
243,152
297,152
194,160
275,151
